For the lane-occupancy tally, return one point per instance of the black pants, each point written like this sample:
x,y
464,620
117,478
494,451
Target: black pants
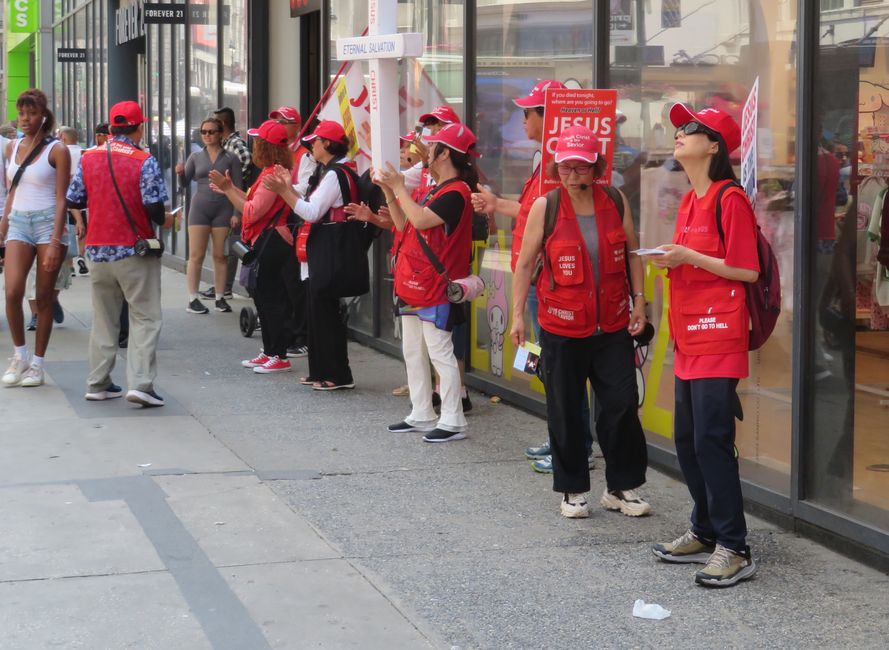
x,y
328,351
298,323
607,361
231,263
704,432
277,269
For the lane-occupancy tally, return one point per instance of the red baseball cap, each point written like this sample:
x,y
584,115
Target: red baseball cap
x,y
407,137
444,114
577,143
537,97
286,113
458,137
126,113
713,118
329,130
271,132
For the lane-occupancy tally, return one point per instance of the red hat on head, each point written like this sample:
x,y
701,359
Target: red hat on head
x,y
537,97
329,130
271,132
713,118
577,143
286,113
444,114
407,137
458,137
126,113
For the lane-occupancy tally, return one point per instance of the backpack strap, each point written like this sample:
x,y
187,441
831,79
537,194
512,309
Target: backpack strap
x,y
722,190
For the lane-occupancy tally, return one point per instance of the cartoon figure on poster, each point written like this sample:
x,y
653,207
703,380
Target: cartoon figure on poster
x,y
498,315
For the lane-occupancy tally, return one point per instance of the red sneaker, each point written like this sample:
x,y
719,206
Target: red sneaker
x,y
253,363
274,364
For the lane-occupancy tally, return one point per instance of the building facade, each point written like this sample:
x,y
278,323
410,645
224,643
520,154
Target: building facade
x,y
814,442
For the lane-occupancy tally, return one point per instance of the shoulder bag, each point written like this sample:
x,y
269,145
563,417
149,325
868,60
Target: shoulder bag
x,y
143,247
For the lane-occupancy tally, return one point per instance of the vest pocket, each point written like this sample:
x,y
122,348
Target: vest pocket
x,y
716,316
566,263
707,244
614,256
565,313
614,310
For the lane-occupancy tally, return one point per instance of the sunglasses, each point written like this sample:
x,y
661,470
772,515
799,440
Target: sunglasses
x,y
696,127
528,111
209,131
581,170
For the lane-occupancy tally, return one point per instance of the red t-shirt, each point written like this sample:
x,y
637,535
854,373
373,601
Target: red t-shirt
x,y
739,225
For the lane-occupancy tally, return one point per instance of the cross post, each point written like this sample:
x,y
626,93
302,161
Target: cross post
x,y
382,48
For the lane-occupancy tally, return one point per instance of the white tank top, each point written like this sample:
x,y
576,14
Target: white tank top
x,y
37,187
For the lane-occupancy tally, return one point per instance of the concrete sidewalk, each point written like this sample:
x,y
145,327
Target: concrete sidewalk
x,y
251,512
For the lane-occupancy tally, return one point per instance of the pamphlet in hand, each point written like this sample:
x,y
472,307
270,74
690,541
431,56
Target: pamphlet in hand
x,y
649,251
527,358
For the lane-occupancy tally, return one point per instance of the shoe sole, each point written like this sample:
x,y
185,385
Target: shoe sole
x,y
744,574
457,436
143,399
195,311
101,397
249,364
297,356
574,514
224,311
692,558
259,370
540,470
533,457
25,384
337,387
628,510
410,430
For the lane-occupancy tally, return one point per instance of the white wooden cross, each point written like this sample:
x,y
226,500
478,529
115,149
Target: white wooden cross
x,y
382,48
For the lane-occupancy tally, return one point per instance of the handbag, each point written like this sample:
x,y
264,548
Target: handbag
x,y
457,291
250,256
153,246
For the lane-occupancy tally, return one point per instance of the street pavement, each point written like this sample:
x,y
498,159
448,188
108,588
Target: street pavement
x,y
251,512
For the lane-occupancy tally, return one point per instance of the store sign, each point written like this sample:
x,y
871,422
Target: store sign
x,y
23,16
594,109
129,22
748,142
621,22
71,55
156,13
302,7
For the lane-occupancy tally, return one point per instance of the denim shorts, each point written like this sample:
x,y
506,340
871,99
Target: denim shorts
x,y
32,227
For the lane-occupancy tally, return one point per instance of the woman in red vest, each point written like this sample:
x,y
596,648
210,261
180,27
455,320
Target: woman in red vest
x,y
709,322
587,323
443,219
264,226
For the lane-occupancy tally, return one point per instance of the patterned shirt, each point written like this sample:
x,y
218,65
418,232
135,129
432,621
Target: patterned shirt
x,y
235,145
152,187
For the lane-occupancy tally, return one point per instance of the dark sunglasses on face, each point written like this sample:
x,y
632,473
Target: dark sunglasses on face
x,y
529,111
209,131
696,127
581,170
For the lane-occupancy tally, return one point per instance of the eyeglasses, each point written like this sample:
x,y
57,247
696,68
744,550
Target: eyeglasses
x,y
209,131
529,111
696,127
580,170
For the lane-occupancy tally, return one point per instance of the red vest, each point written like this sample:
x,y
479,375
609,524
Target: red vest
x,y
530,193
708,314
250,231
416,280
108,224
570,302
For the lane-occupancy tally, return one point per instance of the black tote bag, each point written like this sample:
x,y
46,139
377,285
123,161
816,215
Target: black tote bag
x,y
338,265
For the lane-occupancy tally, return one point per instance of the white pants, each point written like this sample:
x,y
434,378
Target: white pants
x,y
423,342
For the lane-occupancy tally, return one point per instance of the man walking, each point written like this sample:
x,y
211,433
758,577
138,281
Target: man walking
x,y
124,191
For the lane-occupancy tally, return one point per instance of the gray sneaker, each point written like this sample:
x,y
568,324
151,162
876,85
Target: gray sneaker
x,y
545,464
687,548
533,453
726,568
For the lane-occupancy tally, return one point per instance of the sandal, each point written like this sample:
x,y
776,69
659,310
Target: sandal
x,y
329,385
308,381
401,391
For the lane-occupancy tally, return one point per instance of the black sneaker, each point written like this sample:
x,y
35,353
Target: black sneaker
x,y
467,403
197,307
298,351
32,324
404,427
209,294
223,306
145,398
112,392
440,435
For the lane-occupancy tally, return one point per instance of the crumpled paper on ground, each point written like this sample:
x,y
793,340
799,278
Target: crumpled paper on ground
x,y
652,611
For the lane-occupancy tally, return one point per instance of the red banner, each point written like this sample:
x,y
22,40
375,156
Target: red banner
x,y
566,107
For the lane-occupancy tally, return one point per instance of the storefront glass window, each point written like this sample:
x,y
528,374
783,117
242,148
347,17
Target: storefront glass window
x,y
847,458
710,54
234,59
81,99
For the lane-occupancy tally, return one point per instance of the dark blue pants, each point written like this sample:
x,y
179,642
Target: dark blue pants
x,y
704,432
607,361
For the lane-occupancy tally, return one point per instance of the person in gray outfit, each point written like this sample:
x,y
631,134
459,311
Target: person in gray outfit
x,y
210,214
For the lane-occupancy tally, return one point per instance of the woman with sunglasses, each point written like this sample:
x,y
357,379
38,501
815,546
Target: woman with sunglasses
x,y
587,322
210,215
709,322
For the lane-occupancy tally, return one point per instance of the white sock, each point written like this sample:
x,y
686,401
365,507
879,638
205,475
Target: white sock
x,y
193,296
463,393
21,352
36,361
218,296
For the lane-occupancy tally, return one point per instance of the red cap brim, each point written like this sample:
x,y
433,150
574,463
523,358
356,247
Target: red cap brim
x,y
576,155
253,132
680,115
529,102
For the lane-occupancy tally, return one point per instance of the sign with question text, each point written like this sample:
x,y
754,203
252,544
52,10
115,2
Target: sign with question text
x,y
594,109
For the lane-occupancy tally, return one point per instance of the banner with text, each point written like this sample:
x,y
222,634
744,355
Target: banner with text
x,y
748,142
594,109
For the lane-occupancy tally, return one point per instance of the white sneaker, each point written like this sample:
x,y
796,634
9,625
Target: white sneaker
x,y
33,376
627,501
575,506
13,374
